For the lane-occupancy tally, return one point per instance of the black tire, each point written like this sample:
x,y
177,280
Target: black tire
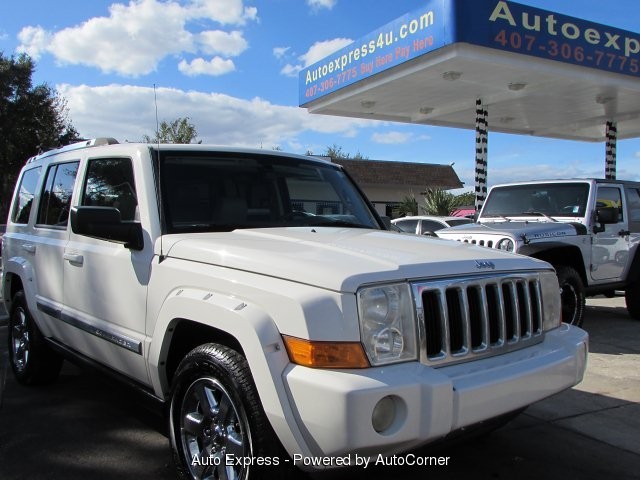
x,y
32,361
632,299
573,296
215,413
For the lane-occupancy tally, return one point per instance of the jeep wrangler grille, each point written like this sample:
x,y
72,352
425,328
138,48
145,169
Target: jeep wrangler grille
x,y
480,316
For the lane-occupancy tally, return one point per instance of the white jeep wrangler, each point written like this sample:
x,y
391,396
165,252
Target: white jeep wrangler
x,y
259,296
588,229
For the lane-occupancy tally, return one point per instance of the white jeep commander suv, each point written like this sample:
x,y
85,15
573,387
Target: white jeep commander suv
x,y
259,296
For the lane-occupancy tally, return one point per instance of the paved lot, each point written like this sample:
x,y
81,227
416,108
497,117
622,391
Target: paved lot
x,y
86,427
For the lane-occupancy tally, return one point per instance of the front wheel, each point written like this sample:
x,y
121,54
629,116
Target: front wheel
x,y
32,361
572,295
217,426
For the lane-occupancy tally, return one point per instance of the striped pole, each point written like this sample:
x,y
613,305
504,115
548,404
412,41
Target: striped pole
x,y
610,160
482,140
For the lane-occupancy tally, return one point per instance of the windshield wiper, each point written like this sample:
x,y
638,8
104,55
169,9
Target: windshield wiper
x,y
344,223
533,212
497,216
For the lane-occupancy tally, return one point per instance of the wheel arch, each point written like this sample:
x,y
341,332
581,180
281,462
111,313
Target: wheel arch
x,y
559,255
192,317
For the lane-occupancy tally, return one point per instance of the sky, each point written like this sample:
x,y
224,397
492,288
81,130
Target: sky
x,y
231,67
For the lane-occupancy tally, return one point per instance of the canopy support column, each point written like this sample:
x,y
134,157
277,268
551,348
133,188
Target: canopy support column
x,y
482,141
611,154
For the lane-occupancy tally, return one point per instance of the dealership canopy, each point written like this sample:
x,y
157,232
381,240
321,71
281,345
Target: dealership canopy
x,y
459,62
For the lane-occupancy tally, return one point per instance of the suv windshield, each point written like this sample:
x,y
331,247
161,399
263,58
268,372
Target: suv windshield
x,y
549,199
204,191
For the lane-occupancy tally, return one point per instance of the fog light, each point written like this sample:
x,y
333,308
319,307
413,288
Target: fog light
x,y
384,414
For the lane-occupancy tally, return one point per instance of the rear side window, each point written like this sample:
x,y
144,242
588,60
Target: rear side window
x,y
633,200
408,226
25,195
55,201
110,183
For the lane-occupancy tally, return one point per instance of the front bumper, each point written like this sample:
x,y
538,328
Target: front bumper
x,y
334,409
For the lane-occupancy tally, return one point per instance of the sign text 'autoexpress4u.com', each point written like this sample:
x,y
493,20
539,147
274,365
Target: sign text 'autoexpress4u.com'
x,y
395,43
496,24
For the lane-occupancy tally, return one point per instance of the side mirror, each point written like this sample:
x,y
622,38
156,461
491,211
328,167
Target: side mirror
x,y
106,223
605,216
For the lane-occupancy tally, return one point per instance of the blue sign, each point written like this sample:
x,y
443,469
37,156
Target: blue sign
x,y
496,24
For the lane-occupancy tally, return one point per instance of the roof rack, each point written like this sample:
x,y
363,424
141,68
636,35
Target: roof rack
x,y
94,142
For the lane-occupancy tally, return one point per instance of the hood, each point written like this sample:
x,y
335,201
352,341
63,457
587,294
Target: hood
x,y
532,230
340,259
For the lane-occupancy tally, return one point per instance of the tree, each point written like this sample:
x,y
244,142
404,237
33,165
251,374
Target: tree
x,y
438,202
178,131
32,120
335,152
408,207
441,202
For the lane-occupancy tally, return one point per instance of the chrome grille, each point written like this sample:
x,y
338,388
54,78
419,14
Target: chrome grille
x,y
466,318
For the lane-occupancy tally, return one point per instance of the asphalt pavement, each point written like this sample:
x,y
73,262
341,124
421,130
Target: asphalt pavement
x,y
86,426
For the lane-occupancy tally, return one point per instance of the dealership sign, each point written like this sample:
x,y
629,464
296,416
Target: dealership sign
x,y
496,24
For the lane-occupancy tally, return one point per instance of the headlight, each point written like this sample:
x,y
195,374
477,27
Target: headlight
x,y
505,244
551,307
387,323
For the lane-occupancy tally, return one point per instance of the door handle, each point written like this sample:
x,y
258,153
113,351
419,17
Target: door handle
x,y
29,247
74,258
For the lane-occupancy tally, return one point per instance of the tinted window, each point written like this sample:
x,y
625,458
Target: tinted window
x,y
633,201
55,201
462,221
221,192
24,198
552,199
431,226
110,183
408,226
610,197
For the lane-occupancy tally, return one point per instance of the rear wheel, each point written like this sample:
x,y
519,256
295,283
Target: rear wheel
x,y
32,361
218,428
632,299
572,293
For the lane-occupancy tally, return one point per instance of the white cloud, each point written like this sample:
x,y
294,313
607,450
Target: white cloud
x,y
231,12
226,43
320,50
128,112
280,52
391,137
318,4
34,41
199,66
147,30
291,70
316,52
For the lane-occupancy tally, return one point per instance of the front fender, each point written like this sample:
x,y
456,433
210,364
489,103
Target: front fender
x,y
259,337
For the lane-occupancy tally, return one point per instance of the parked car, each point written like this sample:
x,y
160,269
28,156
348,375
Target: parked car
x,y
588,229
427,224
260,300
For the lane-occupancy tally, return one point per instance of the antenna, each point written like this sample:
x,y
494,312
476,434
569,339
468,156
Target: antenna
x,y
160,200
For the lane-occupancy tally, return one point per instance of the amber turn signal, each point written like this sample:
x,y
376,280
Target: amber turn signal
x,y
325,354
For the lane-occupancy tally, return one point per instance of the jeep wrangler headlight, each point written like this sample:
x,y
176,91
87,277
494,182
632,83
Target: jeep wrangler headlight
x,y
551,306
387,323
